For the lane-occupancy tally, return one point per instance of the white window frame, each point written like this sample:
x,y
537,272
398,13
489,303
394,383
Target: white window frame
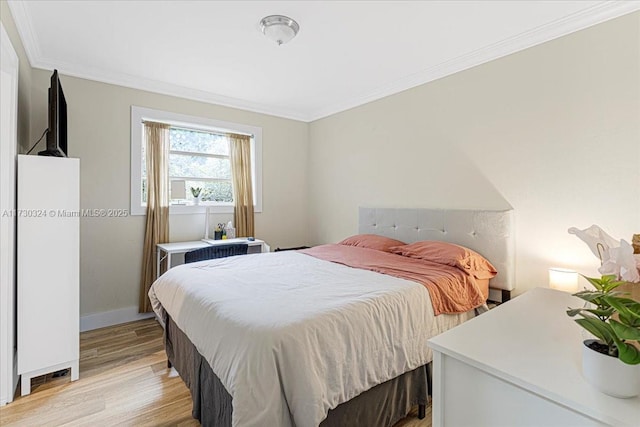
x,y
140,114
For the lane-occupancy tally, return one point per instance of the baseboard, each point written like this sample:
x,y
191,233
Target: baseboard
x,y
110,318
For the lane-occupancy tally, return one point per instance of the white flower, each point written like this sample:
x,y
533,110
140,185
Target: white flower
x,y
616,257
621,262
594,236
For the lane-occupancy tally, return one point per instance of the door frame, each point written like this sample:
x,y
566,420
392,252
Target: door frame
x,y
8,146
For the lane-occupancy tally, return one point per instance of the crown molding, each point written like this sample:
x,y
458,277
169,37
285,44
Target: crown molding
x,y
578,21
593,15
37,60
164,88
25,29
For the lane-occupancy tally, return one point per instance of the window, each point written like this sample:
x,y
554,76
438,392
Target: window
x,y
199,157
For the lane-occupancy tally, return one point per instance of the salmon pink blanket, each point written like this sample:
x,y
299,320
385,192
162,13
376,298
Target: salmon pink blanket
x,y
451,289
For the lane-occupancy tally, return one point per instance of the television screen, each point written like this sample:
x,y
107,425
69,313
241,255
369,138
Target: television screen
x,y
57,132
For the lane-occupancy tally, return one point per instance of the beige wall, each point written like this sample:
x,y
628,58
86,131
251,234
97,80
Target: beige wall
x,y
99,134
552,131
24,79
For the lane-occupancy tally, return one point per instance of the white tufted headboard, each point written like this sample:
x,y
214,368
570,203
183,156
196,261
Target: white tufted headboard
x,y
489,233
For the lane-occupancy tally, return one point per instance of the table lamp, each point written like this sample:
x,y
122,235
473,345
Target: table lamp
x,y
563,279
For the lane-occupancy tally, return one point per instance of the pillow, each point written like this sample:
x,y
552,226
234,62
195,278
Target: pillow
x,y
371,241
449,254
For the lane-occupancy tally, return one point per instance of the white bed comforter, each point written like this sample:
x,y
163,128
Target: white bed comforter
x,y
291,336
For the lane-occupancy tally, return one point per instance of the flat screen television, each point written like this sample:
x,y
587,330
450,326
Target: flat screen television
x,y
57,131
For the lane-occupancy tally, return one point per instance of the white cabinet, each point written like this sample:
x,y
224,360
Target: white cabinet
x,y
48,266
520,365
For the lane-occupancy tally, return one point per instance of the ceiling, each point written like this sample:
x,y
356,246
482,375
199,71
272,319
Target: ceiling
x,y
346,53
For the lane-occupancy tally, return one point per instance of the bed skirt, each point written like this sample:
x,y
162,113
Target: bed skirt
x,y
382,405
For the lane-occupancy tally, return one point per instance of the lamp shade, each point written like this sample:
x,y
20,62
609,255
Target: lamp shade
x,y
563,279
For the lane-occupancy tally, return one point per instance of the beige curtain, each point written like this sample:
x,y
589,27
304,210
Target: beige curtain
x,y
242,186
157,227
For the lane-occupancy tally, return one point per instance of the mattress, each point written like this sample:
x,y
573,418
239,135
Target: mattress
x,y
382,405
291,337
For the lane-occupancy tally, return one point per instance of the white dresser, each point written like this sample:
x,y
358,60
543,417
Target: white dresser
x,y
520,365
48,259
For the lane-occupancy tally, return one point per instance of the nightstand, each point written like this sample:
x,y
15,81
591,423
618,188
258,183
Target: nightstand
x,y
520,365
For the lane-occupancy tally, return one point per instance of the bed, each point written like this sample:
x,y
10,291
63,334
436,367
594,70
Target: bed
x,y
290,338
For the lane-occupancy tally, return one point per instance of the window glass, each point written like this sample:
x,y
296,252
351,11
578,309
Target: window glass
x,y
194,166
212,191
201,159
198,142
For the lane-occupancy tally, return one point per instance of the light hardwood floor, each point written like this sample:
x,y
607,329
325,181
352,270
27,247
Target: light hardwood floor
x,y
124,381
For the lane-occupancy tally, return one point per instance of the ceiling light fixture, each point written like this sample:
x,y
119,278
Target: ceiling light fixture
x,y
281,29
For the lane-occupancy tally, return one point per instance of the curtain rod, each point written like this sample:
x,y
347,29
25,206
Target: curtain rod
x,y
198,129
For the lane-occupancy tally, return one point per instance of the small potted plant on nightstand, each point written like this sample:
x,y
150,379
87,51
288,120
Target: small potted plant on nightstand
x,y
611,362
195,192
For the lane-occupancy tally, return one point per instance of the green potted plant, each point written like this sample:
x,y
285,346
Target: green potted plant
x,y
611,361
196,191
